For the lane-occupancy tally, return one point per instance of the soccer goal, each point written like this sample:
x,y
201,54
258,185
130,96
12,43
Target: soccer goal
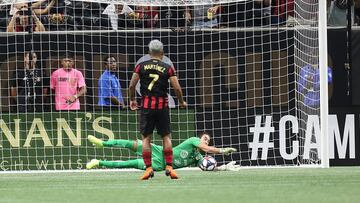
x,y
254,75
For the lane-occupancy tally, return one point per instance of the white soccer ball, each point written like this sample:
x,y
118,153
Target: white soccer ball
x,y
208,163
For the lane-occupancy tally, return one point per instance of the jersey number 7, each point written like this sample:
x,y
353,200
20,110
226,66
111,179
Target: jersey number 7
x,y
155,77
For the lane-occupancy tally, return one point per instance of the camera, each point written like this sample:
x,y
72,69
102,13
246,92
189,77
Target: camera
x,y
23,12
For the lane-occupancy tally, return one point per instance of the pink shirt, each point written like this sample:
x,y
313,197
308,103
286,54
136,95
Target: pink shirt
x,y
66,84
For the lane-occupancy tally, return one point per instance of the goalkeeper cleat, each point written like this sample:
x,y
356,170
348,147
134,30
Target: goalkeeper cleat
x,y
95,141
149,173
92,164
169,171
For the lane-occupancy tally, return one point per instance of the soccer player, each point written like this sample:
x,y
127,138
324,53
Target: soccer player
x,y
147,57
187,153
69,85
154,75
109,91
164,59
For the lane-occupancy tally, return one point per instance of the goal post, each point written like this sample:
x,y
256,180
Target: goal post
x,y
324,105
254,75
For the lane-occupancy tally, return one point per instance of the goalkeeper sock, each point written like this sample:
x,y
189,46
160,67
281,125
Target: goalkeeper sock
x,y
147,158
168,155
119,143
121,164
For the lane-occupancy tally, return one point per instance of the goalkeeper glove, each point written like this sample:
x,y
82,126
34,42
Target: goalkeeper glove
x,y
232,166
227,150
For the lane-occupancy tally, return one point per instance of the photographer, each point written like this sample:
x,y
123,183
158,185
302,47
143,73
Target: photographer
x,y
29,84
20,20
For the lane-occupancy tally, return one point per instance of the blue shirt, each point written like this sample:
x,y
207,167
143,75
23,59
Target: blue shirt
x,y
109,86
309,85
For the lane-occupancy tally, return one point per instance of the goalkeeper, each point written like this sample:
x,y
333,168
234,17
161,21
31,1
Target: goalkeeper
x,y
187,153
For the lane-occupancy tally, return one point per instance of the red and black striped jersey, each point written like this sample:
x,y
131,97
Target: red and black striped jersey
x,y
154,75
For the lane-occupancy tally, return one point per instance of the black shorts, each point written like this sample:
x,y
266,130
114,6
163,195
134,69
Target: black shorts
x,y
149,119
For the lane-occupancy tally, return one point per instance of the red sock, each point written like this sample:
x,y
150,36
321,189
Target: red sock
x,y
168,155
147,158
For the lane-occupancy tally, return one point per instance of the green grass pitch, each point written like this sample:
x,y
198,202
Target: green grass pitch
x,y
338,184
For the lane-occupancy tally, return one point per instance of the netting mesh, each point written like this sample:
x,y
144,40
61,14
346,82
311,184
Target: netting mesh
x,y
240,64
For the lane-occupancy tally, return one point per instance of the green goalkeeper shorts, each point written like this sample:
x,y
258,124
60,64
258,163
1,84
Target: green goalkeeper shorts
x,y
157,157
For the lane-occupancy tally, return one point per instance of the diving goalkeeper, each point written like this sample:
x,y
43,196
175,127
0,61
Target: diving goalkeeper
x,y
187,153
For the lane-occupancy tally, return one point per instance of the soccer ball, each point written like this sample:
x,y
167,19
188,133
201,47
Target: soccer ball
x,y
208,163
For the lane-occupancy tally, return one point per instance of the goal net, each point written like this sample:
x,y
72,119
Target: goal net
x,y
249,71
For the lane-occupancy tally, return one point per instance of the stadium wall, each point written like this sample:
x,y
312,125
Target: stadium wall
x,y
61,137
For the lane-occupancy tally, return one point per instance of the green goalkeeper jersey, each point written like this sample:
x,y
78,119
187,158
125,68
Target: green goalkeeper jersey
x,y
187,153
